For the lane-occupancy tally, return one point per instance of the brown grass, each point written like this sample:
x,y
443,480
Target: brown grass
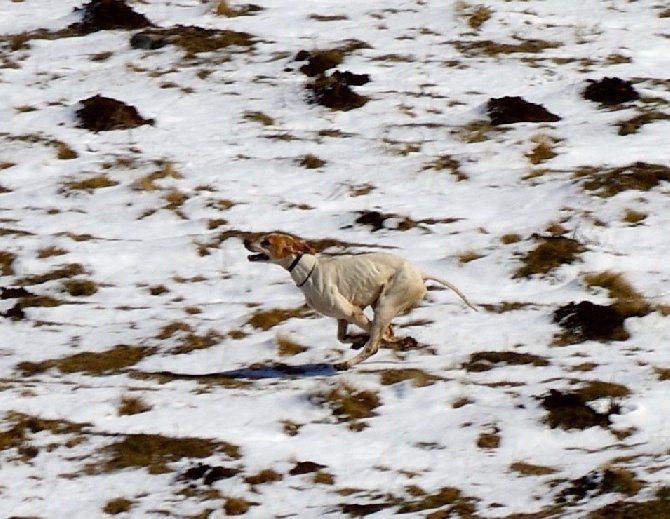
x,y
91,184
627,301
608,182
118,359
266,319
529,469
349,405
551,252
120,505
417,377
131,405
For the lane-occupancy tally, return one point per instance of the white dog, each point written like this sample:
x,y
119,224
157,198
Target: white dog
x,y
342,286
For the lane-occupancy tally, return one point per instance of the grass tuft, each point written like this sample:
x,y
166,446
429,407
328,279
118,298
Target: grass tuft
x,y
551,252
349,405
627,301
117,506
266,319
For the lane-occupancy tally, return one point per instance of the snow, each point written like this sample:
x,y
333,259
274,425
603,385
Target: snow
x,y
238,175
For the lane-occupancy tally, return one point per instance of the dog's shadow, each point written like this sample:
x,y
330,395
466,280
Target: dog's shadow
x,y
271,370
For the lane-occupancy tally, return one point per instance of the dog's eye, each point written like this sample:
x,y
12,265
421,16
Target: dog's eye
x,y
265,242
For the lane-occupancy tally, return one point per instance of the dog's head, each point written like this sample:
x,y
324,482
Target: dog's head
x,y
277,248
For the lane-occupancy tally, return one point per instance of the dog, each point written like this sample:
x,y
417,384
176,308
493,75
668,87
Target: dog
x,y
343,286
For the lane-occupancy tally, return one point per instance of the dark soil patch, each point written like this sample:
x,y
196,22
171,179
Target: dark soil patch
x,y
99,114
656,509
486,360
14,293
105,15
361,510
510,110
207,473
351,79
334,93
610,91
305,467
569,410
600,482
586,321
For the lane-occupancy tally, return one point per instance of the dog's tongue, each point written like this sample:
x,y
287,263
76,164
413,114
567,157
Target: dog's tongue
x,y
258,257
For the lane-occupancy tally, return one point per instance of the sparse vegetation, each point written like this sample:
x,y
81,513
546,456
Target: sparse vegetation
x,y
609,182
118,359
530,469
287,347
311,161
266,319
417,377
486,360
349,405
6,261
117,506
550,253
131,405
154,452
627,301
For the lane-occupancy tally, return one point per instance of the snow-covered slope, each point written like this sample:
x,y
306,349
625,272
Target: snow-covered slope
x,y
149,370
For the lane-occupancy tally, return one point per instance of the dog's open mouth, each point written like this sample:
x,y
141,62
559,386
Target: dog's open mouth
x,y
258,257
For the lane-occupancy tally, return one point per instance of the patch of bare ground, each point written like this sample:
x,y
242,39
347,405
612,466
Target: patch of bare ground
x,y
602,481
266,319
608,182
657,508
116,360
349,404
378,220
551,252
589,321
610,91
154,452
487,360
511,110
417,377
489,48
100,113
571,409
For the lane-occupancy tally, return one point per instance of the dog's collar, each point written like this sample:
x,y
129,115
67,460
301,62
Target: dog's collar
x,y
309,275
295,262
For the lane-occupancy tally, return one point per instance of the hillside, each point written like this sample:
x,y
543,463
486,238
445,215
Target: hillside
x,y
518,149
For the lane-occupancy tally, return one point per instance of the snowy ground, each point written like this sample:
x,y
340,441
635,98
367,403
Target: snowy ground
x,y
127,245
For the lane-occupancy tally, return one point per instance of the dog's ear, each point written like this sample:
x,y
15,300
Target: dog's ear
x,y
284,245
301,247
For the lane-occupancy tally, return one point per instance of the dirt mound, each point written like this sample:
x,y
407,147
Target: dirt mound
x,y
334,93
100,114
351,79
510,110
610,91
207,473
105,15
586,321
331,91
569,410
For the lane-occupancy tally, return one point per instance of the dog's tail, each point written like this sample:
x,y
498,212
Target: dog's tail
x,y
446,283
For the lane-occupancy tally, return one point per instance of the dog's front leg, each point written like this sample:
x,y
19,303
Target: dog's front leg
x,y
357,340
